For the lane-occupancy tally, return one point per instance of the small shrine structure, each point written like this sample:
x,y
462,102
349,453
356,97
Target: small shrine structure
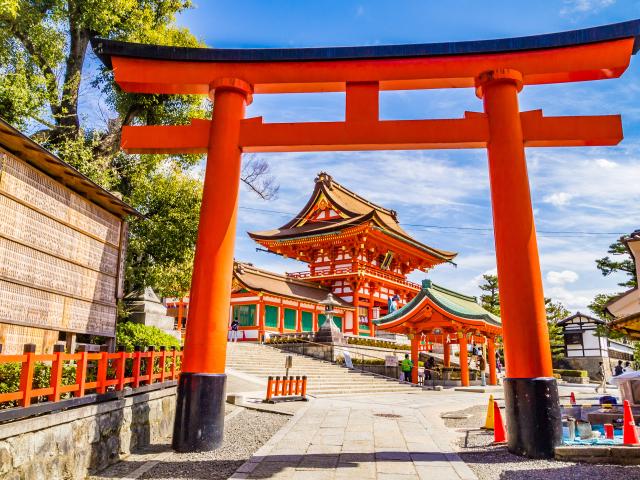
x,y
440,315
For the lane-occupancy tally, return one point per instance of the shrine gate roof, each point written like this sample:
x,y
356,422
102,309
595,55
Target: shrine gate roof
x,y
349,210
259,280
457,308
577,55
105,49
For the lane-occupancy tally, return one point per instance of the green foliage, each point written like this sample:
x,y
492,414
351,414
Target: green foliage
x,y
369,342
570,373
624,264
130,335
598,306
10,379
490,301
161,247
556,311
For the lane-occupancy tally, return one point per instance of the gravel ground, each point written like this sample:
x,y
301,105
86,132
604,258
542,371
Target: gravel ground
x,y
244,434
496,463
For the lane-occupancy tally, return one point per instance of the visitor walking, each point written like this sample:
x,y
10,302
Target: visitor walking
x,y
498,363
628,368
602,377
482,365
406,367
618,369
234,330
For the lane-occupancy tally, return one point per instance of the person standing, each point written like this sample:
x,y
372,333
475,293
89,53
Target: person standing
x,y
234,330
406,367
482,365
618,369
628,368
602,377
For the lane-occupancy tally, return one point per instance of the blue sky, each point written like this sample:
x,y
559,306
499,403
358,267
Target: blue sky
x,y
574,189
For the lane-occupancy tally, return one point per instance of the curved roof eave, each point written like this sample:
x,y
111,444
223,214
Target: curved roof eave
x,y
105,49
389,321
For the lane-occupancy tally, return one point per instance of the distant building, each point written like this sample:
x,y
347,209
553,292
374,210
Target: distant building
x,y
584,349
626,307
355,249
62,248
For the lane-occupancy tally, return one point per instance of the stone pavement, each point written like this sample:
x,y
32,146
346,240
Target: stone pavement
x,y
364,437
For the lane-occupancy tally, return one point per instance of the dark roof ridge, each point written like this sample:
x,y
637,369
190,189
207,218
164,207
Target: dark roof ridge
x,y
429,284
239,267
327,180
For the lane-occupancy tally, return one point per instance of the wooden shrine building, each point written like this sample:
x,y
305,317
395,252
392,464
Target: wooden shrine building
x,y
439,315
354,249
62,249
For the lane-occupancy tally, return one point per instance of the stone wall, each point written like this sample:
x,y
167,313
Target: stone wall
x,y
74,443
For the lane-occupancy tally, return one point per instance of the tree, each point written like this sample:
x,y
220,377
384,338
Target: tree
x,y
623,264
490,301
608,265
44,74
556,311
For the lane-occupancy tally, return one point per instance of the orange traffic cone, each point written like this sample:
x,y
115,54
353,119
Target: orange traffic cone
x,y
629,432
499,434
572,398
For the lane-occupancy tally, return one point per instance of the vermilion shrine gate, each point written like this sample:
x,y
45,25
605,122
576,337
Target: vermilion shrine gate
x,y
496,69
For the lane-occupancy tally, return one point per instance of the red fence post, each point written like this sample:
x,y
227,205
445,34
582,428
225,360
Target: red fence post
x,y
174,359
269,388
120,368
163,362
151,364
103,366
26,374
137,351
304,386
297,392
81,371
55,379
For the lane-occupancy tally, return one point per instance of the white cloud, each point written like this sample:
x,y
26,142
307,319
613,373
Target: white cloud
x,y
560,278
584,6
604,163
558,199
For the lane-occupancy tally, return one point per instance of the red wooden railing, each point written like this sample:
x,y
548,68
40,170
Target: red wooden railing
x,y
363,267
287,386
111,371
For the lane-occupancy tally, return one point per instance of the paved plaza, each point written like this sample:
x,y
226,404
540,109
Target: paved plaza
x,y
365,437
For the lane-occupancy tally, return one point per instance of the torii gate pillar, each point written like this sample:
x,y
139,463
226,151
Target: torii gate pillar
x,y
199,420
531,394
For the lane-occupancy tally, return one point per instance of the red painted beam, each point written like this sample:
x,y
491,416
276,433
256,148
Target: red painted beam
x,y
593,61
468,132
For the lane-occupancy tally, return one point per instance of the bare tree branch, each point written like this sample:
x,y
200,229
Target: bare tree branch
x,y
256,174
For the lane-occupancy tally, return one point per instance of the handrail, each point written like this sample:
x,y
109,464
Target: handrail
x,y
99,371
340,347
361,266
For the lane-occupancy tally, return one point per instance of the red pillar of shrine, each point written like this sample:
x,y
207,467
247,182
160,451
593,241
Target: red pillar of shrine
x,y
531,392
446,351
201,391
464,359
415,357
491,354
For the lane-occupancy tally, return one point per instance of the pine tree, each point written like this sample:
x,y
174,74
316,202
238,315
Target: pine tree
x,y
490,301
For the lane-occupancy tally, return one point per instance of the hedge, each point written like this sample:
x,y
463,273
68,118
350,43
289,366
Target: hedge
x,y
368,342
130,335
571,373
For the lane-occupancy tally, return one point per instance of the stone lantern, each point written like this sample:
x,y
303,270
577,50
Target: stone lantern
x,y
329,331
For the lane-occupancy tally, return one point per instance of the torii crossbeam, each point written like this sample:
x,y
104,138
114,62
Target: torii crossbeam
x,y
497,69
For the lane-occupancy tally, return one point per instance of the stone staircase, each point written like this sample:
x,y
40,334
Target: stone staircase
x,y
323,378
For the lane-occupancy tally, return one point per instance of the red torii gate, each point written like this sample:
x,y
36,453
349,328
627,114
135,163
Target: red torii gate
x,y
497,69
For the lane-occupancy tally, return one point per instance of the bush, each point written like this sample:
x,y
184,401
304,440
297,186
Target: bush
x,y
130,335
571,373
10,379
368,342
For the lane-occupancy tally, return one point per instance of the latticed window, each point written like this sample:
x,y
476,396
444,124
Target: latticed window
x,y
245,314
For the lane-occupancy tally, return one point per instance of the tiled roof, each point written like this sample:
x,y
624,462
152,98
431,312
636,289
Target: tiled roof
x,y
259,280
357,210
457,304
